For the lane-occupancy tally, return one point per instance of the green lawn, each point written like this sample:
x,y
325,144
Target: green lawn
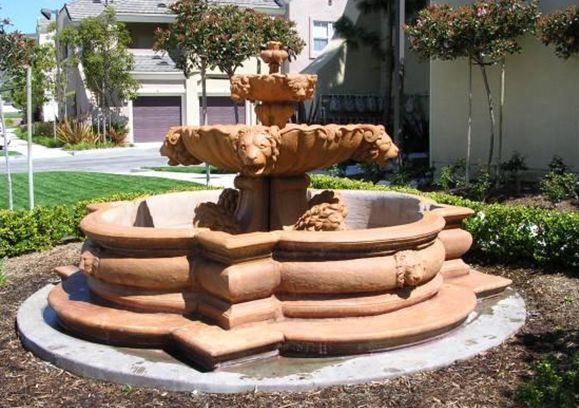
x,y
188,169
52,188
10,153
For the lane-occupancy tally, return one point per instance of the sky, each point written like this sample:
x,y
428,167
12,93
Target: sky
x,y
24,13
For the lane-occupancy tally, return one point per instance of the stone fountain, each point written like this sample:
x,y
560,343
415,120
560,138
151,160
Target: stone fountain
x,y
272,267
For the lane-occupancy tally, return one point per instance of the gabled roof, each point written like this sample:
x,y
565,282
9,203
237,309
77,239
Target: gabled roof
x,y
80,9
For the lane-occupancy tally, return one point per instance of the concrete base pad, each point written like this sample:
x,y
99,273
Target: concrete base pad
x,y
494,320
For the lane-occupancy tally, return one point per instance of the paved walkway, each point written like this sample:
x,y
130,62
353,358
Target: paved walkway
x,y
38,151
217,180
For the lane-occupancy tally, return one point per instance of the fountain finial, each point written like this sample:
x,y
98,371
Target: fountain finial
x,y
274,56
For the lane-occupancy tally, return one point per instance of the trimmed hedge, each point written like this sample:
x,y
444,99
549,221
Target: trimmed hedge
x,y
23,231
501,232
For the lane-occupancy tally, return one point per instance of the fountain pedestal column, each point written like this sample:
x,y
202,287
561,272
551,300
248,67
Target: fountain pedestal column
x,y
288,200
270,203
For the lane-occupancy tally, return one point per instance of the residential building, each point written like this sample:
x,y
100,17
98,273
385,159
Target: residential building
x,y
166,98
315,23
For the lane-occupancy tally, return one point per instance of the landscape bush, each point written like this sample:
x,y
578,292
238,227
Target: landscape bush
x,y
502,232
554,383
23,231
559,183
76,132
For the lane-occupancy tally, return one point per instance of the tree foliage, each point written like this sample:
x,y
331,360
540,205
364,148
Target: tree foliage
x,y
43,61
15,49
561,29
485,31
100,45
221,36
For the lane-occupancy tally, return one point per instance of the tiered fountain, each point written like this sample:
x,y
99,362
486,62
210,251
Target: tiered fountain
x,y
272,267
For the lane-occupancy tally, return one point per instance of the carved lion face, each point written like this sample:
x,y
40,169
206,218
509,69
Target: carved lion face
x,y
257,150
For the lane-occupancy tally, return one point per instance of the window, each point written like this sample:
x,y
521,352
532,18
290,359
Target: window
x,y
321,34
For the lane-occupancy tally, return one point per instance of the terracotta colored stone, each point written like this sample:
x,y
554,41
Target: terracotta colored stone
x,y
270,266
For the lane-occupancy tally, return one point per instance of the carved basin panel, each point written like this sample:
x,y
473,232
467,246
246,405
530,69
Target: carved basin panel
x,y
291,151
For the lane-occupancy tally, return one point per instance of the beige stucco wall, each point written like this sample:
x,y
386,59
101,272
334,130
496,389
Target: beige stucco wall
x,y
541,113
303,12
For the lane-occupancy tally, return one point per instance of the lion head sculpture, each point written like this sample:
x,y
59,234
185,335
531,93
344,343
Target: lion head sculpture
x,y
174,149
257,149
376,147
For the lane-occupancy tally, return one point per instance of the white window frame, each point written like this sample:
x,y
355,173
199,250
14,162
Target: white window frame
x,y
313,52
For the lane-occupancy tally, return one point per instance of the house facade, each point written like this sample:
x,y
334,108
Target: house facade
x,y
166,97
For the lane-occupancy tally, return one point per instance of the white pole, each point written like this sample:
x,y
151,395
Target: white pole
x,y
29,120
6,156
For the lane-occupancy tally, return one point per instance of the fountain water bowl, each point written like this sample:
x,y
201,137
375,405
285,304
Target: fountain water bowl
x,y
271,266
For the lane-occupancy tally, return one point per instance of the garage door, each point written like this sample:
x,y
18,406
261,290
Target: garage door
x,y
220,111
154,115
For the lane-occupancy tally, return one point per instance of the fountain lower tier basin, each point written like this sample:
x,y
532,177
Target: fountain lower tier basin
x,y
393,277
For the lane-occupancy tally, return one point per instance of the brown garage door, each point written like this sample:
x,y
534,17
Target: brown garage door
x,y
220,111
154,115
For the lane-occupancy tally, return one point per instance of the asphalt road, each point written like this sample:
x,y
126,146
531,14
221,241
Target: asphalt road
x,y
119,160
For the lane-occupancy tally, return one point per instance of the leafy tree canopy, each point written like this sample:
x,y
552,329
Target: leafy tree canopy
x,y
100,45
15,49
221,36
43,59
561,29
485,31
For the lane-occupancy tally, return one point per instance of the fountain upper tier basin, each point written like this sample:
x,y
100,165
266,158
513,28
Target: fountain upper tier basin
x,y
268,150
273,88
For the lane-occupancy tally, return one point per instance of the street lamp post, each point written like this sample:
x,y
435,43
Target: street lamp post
x,y
47,13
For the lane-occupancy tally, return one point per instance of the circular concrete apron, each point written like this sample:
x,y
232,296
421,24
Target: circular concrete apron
x,y
494,320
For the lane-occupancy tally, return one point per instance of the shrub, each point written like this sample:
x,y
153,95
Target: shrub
x,y
451,176
47,141
555,383
118,135
501,232
23,231
559,187
44,129
513,167
75,132
558,166
3,275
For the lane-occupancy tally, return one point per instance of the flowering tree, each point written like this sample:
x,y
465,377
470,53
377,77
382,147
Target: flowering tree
x,y
561,29
484,32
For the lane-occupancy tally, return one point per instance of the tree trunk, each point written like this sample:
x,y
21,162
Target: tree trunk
x,y
6,157
389,65
491,107
469,126
501,107
204,112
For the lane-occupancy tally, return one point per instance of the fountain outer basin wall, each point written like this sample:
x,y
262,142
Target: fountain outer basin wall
x,y
268,291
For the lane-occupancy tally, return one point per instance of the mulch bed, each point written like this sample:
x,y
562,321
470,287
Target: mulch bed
x,y
488,380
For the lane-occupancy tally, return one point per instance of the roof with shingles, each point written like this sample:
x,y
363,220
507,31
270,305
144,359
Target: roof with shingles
x,y
153,63
79,9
